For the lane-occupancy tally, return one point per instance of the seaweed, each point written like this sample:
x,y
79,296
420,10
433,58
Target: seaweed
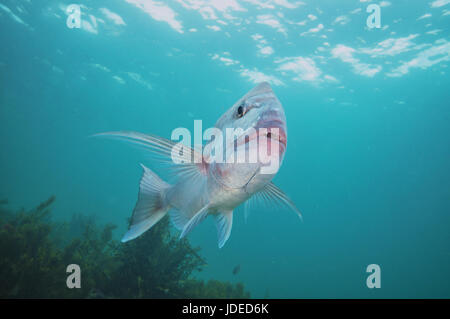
x,y
29,258
36,251
158,262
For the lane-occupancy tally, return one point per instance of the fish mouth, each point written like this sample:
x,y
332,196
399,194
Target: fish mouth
x,y
275,131
272,131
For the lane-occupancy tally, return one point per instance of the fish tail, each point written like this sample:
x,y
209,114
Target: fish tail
x,y
150,207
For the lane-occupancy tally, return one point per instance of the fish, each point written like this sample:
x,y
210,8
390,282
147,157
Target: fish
x,y
210,185
236,269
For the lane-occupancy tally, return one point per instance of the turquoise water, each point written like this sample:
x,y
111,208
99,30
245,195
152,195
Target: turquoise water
x,y
367,113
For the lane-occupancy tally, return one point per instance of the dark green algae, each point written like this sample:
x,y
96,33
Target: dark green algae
x,y
35,251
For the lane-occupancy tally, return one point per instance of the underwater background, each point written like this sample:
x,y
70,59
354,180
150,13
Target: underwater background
x,y
367,160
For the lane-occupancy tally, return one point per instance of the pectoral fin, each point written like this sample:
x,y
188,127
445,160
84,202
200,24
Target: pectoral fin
x,y
224,223
184,160
272,194
246,210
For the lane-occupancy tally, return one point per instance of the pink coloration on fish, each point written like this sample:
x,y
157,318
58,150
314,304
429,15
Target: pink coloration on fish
x,y
211,186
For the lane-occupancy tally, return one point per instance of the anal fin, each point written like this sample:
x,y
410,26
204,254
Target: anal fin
x,y
195,220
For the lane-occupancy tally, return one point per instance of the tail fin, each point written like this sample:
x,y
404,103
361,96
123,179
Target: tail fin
x,y
150,207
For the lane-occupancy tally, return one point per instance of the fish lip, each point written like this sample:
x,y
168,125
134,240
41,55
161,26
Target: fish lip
x,y
268,124
281,137
271,124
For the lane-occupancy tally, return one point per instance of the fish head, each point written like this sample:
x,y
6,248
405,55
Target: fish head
x,y
254,140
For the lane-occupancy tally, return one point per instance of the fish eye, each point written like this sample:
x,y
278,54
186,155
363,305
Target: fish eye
x,y
240,111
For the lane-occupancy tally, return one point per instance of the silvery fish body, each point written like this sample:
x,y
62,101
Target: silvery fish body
x,y
225,173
